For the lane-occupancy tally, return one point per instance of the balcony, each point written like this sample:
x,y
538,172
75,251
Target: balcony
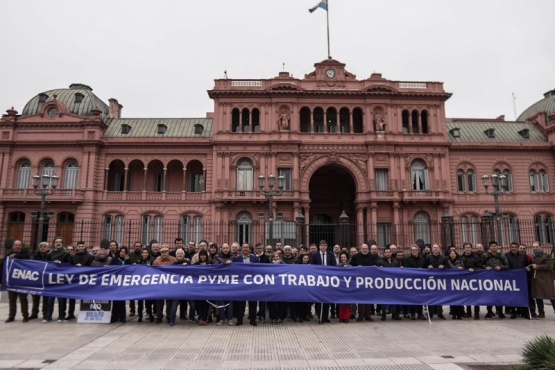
x,y
153,196
385,195
26,195
422,196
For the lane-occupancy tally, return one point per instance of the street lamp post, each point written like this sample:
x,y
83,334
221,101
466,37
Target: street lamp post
x,y
498,182
270,194
44,185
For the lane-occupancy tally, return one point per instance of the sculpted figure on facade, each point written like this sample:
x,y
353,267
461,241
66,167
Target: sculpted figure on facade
x,y
283,120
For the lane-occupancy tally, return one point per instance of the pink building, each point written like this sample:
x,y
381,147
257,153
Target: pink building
x,y
361,159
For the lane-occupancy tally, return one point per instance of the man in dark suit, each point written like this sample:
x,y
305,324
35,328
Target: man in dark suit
x,y
246,256
323,258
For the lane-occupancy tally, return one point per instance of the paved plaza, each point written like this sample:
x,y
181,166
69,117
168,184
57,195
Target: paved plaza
x,y
388,345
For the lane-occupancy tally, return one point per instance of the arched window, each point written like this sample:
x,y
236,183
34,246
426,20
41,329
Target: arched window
x,y
113,228
415,117
24,175
48,169
461,181
255,120
424,118
245,175
331,120
71,175
471,178
509,179
318,116
304,116
422,227
244,228
539,182
344,120
358,124
406,123
419,175
469,229
235,120
544,229
245,120
153,228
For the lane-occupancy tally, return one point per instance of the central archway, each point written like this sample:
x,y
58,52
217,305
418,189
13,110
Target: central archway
x,y
332,190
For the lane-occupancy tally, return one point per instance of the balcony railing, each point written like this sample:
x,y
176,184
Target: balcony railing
x,y
72,195
152,196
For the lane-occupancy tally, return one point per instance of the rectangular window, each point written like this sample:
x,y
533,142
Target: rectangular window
x,y
196,184
23,177
420,179
382,179
245,179
198,229
119,229
186,228
119,180
107,226
158,228
384,233
146,233
72,174
159,182
286,173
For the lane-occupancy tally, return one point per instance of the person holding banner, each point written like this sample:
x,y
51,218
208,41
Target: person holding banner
x,y
58,255
417,261
364,258
324,258
493,259
17,252
41,255
436,260
246,256
118,307
472,262
225,310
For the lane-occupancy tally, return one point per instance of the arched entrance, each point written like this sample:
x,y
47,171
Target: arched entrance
x,y
332,191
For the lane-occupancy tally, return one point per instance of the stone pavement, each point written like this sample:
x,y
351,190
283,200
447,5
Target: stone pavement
x,y
380,345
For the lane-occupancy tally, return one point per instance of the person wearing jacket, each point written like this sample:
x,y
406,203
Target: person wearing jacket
x,y
455,262
19,253
493,259
472,262
80,258
41,255
148,304
542,278
118,307
58,255
246,256
517,260
225,312
417,261
364,258
435,260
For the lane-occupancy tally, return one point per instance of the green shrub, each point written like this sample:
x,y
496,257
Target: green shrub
x,y
539,353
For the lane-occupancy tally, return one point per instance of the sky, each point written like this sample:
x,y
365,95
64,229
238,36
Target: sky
x,y
159,57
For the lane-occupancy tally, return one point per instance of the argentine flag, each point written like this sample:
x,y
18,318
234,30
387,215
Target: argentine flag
x,y
322,4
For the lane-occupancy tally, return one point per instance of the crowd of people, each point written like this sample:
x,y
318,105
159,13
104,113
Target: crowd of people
x,y
539,267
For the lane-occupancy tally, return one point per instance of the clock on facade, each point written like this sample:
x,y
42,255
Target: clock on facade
x,y
330,73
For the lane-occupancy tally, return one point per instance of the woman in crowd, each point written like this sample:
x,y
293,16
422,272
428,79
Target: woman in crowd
x,y
118,307
202,306
344,309
303,308
454,261
276,308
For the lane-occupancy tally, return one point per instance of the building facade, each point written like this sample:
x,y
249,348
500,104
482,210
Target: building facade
x,y
360,159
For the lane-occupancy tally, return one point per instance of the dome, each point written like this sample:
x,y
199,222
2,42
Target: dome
x,y
78,98
547,105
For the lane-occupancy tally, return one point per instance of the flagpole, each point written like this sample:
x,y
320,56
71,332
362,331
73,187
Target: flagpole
x,y
328,27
